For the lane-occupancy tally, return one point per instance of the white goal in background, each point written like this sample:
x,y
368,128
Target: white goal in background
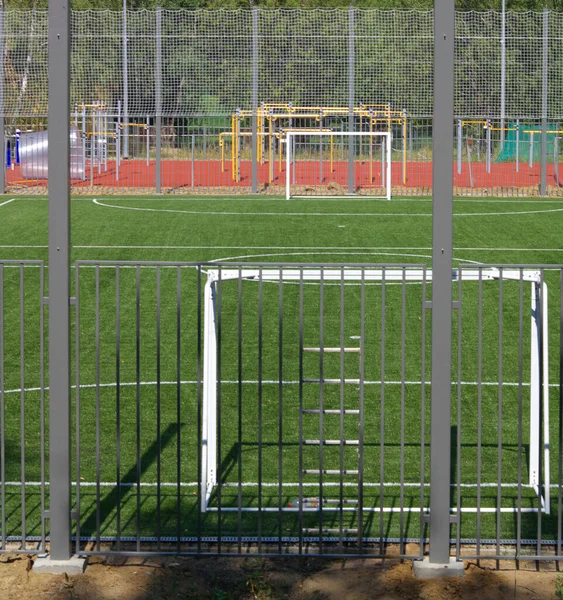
x,y
322,164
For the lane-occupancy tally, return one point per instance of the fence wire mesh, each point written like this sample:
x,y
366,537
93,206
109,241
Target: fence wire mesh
x,y
303,57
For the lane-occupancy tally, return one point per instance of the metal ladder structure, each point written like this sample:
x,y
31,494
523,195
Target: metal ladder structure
x,y
347,473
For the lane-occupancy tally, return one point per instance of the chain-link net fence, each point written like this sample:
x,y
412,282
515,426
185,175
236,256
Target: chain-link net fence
x,y
196,69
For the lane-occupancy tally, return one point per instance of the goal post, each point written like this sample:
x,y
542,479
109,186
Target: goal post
x,y
318,164
539,423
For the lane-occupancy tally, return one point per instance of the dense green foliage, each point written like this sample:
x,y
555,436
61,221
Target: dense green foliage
x,y
216,4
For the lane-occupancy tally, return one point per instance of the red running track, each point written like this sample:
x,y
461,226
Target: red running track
x,y
183,174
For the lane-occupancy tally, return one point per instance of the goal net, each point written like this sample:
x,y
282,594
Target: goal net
x,y
333,164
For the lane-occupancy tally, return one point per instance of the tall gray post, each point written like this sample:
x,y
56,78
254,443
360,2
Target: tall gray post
x,y
254,101
2,108
158,97
351,98
543,173
502,74
59,278
125,86
442,241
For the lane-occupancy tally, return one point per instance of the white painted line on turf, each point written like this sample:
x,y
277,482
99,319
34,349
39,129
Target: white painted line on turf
x,y
6,202
89,386
316,214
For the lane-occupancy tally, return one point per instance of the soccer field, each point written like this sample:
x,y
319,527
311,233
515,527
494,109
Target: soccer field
x,y
139,335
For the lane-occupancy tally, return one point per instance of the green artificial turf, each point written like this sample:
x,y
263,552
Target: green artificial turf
x,y
143,431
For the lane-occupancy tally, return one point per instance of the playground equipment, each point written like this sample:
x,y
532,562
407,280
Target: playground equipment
x,y
521,142
33,155
274,121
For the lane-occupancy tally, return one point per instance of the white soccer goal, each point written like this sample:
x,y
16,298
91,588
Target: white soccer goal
x,y
336,164
538,465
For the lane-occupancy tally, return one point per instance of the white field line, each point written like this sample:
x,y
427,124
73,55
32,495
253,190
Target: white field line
x,y
270,484
90,386
315,214
6,202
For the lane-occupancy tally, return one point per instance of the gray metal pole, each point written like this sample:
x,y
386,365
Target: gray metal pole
x,y
459,145
351,98
158,96
502,74
125,86
543,174
442,242
59,278
255,101
2,120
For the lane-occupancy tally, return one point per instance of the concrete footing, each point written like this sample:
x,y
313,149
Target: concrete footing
x,y
74,566
424,569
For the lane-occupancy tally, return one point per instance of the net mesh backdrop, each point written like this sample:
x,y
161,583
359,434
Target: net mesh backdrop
x,y
304,57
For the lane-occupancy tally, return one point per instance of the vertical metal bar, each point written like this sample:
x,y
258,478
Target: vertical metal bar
x,y
560,417
422,412
500,380
2,414
541,489
22,405
479,409
442,241
192,181
59,280
147,139
118,402
2,108
255,15
158,98
543,174
125,85
342,404
219,330
138,403
351,98
199,408
97,409
178,407
517,145
382,414
240,419
402,434
301,324
362,412
41,398
520,409
260,411
459,397
459,145
488,138
280,412
502,74
321,406
158,410
77,408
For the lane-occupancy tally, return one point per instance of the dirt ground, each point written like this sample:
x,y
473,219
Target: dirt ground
x,y
268,579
